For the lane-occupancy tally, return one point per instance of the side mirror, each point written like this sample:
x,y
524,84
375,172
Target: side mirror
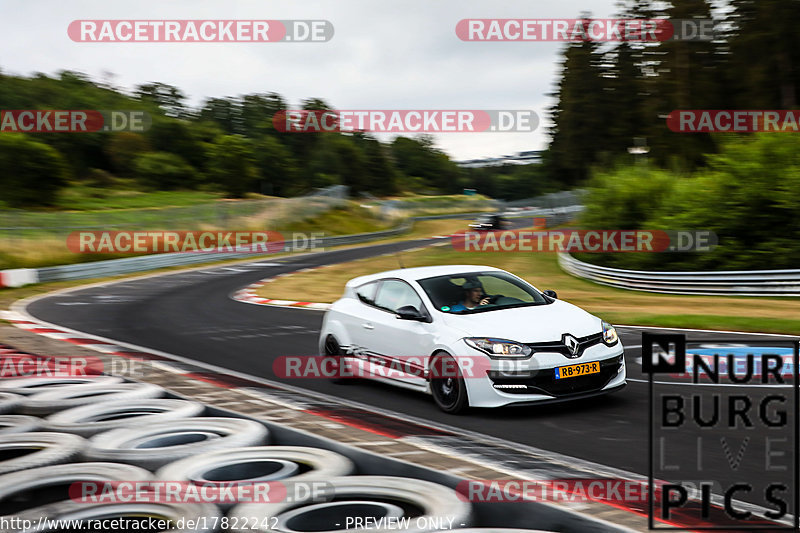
x,y
409,312
552,294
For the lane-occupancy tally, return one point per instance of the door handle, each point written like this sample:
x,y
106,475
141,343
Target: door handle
x,y
367,325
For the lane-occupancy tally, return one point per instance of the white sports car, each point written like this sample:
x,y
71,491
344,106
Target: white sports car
x,y
470,336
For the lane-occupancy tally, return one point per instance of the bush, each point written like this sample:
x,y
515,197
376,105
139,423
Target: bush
x,y
31,172
161,170
747,195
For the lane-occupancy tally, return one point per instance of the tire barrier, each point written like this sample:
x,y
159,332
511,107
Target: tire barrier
x,y
182,518
9,402
21,451
408,505
157,444
28,386
258,464
18,424
45,403
91,419
130,434
29,489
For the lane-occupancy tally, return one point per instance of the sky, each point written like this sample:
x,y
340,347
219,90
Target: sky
x,y
385,54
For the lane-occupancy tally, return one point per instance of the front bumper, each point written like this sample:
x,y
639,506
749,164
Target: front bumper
x,y
537,383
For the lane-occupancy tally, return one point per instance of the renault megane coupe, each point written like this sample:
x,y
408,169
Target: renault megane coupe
x,y
470,336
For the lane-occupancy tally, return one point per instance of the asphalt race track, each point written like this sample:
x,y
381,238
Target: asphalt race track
x,y
192,315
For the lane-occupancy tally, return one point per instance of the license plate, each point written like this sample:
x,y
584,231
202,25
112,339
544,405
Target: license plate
x,y
582,369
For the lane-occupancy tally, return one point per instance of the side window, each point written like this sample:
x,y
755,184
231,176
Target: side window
x,y
395,294
366,292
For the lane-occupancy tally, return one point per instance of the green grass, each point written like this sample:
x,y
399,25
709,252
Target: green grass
x,y
86,198
347,220
619,306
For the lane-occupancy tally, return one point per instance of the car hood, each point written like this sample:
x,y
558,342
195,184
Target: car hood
x,y
539,323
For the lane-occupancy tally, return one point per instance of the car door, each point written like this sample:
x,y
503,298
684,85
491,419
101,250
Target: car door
x,y
401,342
361,316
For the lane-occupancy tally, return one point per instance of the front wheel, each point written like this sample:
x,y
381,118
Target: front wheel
x,y
334,351
447,384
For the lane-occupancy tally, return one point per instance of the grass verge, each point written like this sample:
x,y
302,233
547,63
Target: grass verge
x,y
421,229
771,315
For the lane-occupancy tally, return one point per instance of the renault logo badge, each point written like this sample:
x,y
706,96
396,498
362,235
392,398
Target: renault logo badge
x,y
572,344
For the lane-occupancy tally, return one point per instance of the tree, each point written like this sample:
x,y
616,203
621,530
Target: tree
x,y
277,169
226,112
123,148
381,173
419,158
231,165
176,137
168,98
163,171
31,172
764,65
578,132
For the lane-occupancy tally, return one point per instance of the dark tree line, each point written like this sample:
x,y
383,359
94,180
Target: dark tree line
x,y
608,95
229,144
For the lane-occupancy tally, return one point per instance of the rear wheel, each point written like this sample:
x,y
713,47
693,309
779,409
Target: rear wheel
x,y
447,384
334,351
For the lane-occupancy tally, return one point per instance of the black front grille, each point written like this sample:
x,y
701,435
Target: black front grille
x,y
560,347
545,382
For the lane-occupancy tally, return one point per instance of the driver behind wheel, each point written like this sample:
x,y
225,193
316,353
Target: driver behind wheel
x,y
474,296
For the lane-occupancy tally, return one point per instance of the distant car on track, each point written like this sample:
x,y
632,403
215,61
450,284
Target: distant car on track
x,y
503,341
489,223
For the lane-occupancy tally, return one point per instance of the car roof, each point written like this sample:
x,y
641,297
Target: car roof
x,y
417,273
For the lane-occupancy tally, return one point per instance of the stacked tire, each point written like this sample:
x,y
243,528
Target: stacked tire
x,y
60,436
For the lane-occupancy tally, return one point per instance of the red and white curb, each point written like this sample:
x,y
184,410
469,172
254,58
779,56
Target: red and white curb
x,y
249,293
48,330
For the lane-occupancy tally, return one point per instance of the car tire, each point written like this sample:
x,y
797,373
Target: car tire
x,y
258,464
28,386
45,403
19,424
312,462
92,419
32,450
449,392
37,487
9,402
194,517
157,444
398,495
333,349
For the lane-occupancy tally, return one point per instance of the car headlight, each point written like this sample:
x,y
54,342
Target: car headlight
x,y
499,347
609,334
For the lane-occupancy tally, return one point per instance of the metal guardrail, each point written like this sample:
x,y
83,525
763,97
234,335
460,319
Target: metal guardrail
x,y
127,265
730,283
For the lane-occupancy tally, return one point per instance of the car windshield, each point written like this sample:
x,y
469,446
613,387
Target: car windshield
x,y
477,292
